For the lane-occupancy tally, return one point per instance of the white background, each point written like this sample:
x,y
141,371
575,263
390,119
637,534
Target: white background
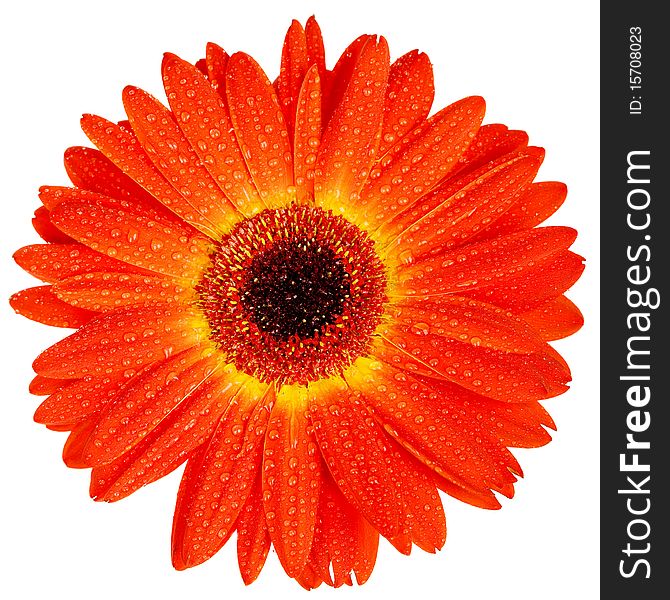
x,y
536,63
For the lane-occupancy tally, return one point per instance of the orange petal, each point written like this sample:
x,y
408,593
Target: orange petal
x,y
355,448
336,83
537,204
124,150
489,144
482,264
75,443
420,160
466,211
307,135
122,340
292,72
187,426
91,170
409,97
441,430
498,375
515,424
160,135
253,539
260,129
147,402
464,320
201,65
481,498
46,229
42,305
218,480
145,240
80,399
521,425
309,579
534,286
450,190
45,386
53,195
423,508
350,141
51,262
316,54
291,477
555,319
205,122
343,540
217,63
108,291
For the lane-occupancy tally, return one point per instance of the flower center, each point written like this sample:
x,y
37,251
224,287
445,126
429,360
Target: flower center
x,y
293,295
295,288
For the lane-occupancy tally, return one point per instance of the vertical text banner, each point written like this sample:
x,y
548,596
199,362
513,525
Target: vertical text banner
x,y
635,428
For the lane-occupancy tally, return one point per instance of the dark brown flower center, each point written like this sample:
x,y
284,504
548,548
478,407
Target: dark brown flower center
x,y
294,294
295,288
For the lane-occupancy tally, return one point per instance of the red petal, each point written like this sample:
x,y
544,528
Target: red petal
x,y
217,63
122,340
464,320
45,386
409,97
307,135
481,498
423,508
522,425
108,291
420,160
188,425
51,262
253,539
463,212
309,579
498,375
336,83
292,72
515,424
201,65
482,264
342,539
291,476
80,399
537,204
534,286
91,170
555,319
260,129
441,430
491,143
159,134
145,240
350,141
218,480
205,121
42,305
46,230
124,150
147,402
316,54
53,195
355,450
75,443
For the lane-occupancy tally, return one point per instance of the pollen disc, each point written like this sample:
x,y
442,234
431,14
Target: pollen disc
x,y
294,294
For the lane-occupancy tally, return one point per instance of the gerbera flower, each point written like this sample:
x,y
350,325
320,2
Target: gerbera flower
x,y
328,303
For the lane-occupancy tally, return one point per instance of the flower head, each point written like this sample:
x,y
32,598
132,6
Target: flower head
x,y
328,303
